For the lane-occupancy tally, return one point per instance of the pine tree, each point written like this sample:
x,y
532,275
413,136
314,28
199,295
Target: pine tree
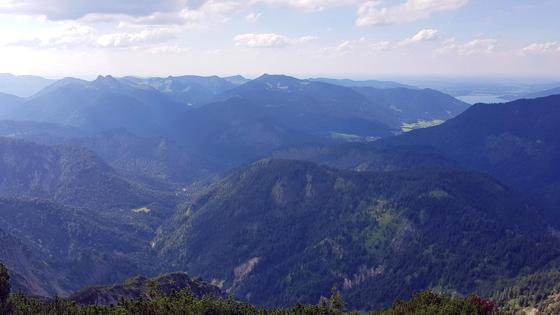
x,y
337,303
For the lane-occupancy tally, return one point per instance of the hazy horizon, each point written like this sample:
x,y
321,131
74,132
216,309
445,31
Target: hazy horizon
x,y
406,79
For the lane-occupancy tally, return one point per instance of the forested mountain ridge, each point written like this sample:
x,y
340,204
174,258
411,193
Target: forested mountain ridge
x,y
70,175
102,104
391,106
245,120
517,142
162,159
376,236
39,132
413,105
57,249
368,157
29,273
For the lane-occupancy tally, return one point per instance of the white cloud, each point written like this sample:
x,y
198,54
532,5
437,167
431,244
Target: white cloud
x,y
145,37
360,45
373,12
473,47
478,46
74,9
151,12
268,40
344,46
308,5
168,49
211,10
253,17
182,17
306,39
73,36
541,48
427,34
380,46
261,40
349,45
60,36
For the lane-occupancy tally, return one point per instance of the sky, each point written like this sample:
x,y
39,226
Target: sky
x,y
337,38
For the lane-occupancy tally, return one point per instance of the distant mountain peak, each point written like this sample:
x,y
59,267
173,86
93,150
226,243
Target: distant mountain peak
x,y
268,77
62,83
236,79
107,81
280,82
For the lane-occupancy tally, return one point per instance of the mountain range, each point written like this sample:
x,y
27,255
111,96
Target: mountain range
x,y
244,122
277,189
516,142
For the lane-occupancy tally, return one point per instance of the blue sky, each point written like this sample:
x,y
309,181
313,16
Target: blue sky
x,y
344,38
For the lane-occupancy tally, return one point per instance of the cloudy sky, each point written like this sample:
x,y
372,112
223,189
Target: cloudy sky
x,y
343,38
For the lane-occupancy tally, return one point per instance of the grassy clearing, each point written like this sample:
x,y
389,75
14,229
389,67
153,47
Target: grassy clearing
x,y
142,210
406,127
346,137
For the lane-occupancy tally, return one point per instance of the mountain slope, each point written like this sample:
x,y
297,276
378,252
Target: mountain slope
x,y
28,272
156,158
276,111
391,106
102,104
517,142
161,159
283,232
62,249
412,105
367,157
39,132
307,96
537,293
70,175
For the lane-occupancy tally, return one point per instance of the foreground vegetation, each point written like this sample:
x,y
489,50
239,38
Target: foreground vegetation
x,y
184,302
